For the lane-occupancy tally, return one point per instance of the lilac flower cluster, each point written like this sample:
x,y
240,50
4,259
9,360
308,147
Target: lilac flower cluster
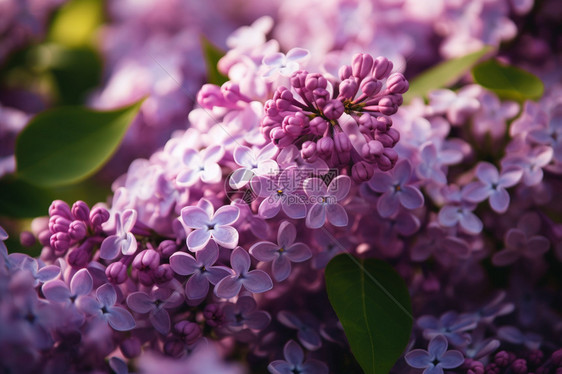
x,y
216,245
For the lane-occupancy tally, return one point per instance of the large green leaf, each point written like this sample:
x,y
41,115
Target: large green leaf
x,y
445,74
212,55
76,22
64,145
508,82
373,305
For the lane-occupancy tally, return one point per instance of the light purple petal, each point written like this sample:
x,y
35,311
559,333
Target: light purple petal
x,y
510,177
309,338
470,223
228,287
476,192
208,255
128,245
120,319
195,217
160,319
3,234
110,247
258,320
140,302
226,236
188,178
281,268
505,257
418,358
289,319
451,359
487,173
56,290
314,367
191,158
280,367
118,366
257,281
515,239
298,252
315,187
381,182
287,234
537,246
244,157
402,172
212,173
240,260
128,219
207,207
239,178
89,305
81,283
264,251
48,272
294,207
215,273
198,239
337,215
106,295
226,215
246,304
339,187
316,216
410,197
183,263
388,204
448,216
437,346
406,223
293,353
213,153
433,370
499,200
270,207
197,287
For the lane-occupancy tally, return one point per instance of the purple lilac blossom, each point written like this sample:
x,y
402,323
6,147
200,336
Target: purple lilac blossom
x,y
436,358
294,362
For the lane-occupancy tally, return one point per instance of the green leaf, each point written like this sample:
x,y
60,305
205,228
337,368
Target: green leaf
x,y
212,55
445,74
75,23
373,305
508,82
19,199
64,145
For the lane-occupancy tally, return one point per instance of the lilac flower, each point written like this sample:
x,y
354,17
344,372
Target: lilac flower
x,y
512,334
282,253
155,305
281,194
532,164
436,358
201,166
256,281
294,362
3,249
493,114
433,162
259,165
325,201
243,314
458,106
38,275
80,285
518,245
306,327
208,224
451,325
459,212
395,190
441,243
551,133
103,307
285,65
201,270
329,246
123,240
492,185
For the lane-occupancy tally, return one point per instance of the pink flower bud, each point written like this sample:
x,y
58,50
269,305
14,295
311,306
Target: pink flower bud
x,y
318,125
60,242
382,68
334,109
210,96
77,230
370,86
189,331
362,64
348,88
148,259
308,151
116,272
397,84
60,208
78,258
362,171
325,146
81,211
131,347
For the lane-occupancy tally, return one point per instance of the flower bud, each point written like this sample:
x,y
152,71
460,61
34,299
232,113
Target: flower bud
x,y
387,106
213,314
174,347
116,272
58,224
131,347
382,68
325,146
189,331
397,83
345,72
27,239
60,208
77,230
60,242
78,258
308,151
148,259
333,109
362,64
167,248
163,274
362,171
210,96
371,150
348,88
98,216
315,81
280,138
342,144
318,125
370,86
81,211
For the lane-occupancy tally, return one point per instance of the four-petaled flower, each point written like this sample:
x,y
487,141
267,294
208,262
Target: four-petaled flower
x,y
282,253
201,166
201,270
326,199
436,358
256,281
208,224
253,165
285,65
395,190
103,307
155,305
243,314
294,362
492,184
123,241
281,194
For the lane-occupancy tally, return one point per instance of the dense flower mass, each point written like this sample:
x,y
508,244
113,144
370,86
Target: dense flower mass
x,y
210,255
